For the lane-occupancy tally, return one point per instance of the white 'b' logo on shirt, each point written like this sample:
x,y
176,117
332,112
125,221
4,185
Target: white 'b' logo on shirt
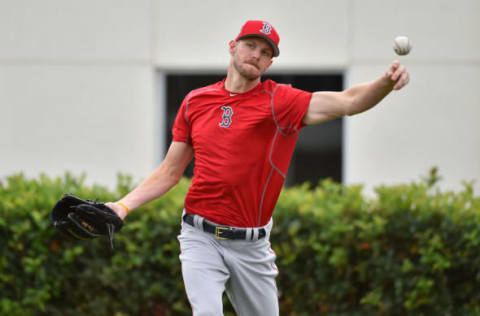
x,y
266,29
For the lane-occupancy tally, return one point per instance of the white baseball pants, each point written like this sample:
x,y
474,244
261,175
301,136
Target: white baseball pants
x,y
246,270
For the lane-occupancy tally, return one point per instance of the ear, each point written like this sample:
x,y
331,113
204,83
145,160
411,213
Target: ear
x,y
231,46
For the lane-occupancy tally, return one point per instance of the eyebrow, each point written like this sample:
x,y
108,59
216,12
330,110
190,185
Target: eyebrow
x,y
267,48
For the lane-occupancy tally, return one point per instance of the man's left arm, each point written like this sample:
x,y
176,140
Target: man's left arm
x,y
326,106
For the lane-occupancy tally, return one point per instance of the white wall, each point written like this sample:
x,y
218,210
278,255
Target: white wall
x,y
79,90
76,88
78,118
313,34
435,120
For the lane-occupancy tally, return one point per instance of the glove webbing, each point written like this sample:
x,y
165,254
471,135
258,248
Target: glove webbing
x,y
111,232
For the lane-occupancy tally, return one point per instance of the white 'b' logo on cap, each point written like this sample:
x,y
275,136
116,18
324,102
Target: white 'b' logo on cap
x,y
266,29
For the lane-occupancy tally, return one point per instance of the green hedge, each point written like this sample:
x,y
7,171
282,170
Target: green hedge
x,y
411,250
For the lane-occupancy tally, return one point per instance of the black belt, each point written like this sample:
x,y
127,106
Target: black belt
x,y
225,232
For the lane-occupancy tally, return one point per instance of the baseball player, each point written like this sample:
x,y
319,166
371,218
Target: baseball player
x,y
242,132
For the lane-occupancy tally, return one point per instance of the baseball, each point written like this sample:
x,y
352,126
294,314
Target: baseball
x,y
402,45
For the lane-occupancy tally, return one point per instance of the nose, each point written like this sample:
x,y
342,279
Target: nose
x,y
256,53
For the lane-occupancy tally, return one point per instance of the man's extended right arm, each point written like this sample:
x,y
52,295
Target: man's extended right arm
x,y
325,105
159,182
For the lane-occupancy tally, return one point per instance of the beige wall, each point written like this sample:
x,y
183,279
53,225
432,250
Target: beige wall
x,y
313,34
435,121
79,78
76,88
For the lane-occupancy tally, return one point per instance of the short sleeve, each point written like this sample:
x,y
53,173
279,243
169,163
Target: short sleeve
x,y
290,106
182,130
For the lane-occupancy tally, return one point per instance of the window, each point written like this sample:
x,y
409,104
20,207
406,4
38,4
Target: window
x,y
318,153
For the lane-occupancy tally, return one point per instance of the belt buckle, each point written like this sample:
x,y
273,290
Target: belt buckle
x,y
219,230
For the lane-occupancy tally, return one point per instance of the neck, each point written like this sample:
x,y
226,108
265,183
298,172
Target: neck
x,y
237,83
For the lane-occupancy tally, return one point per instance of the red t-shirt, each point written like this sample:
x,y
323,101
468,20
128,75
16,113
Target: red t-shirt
x,y
243,144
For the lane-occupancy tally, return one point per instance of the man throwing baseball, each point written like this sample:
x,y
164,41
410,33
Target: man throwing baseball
x,y
242,132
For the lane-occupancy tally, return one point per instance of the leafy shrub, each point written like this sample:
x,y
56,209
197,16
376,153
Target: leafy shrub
x,y
412,250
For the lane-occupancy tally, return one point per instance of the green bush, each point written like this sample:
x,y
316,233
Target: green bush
x,y
411,250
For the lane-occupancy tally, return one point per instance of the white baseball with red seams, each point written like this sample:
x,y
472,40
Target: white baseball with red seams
x,y
402,45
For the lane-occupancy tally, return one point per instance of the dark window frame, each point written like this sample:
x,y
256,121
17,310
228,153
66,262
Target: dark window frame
x,y
319,151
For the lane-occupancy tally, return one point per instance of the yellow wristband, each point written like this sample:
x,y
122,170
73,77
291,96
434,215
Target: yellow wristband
x,y
124,206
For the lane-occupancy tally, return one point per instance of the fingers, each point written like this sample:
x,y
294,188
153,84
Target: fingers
x,y
392,68
398,74
402,81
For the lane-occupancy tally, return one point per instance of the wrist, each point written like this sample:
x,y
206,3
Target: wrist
x,y
121,211
124,206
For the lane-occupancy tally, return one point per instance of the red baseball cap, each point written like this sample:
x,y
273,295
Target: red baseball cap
x,y
261,29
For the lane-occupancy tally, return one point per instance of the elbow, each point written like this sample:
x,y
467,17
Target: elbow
x,y
167,177
176,179
173,180
350,106
348,111
343,103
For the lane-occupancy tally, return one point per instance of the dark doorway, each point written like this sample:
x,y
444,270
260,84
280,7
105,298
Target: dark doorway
x,y
318,154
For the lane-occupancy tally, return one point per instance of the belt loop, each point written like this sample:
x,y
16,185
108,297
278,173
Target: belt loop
x,y
255,234
248,233
198,222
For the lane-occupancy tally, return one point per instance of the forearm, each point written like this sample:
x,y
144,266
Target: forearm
x,y
325,105
154,186
367,95
159,181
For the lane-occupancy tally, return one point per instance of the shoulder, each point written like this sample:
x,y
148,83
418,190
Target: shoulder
x,y
209,90
273,87
269,85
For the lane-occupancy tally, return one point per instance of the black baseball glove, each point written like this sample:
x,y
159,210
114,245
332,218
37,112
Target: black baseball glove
x,y
85,219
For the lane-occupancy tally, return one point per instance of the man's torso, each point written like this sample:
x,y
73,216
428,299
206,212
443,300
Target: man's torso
x,y
241,153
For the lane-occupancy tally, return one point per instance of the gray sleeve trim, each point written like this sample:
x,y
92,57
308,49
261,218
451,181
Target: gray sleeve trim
x,y
186,110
